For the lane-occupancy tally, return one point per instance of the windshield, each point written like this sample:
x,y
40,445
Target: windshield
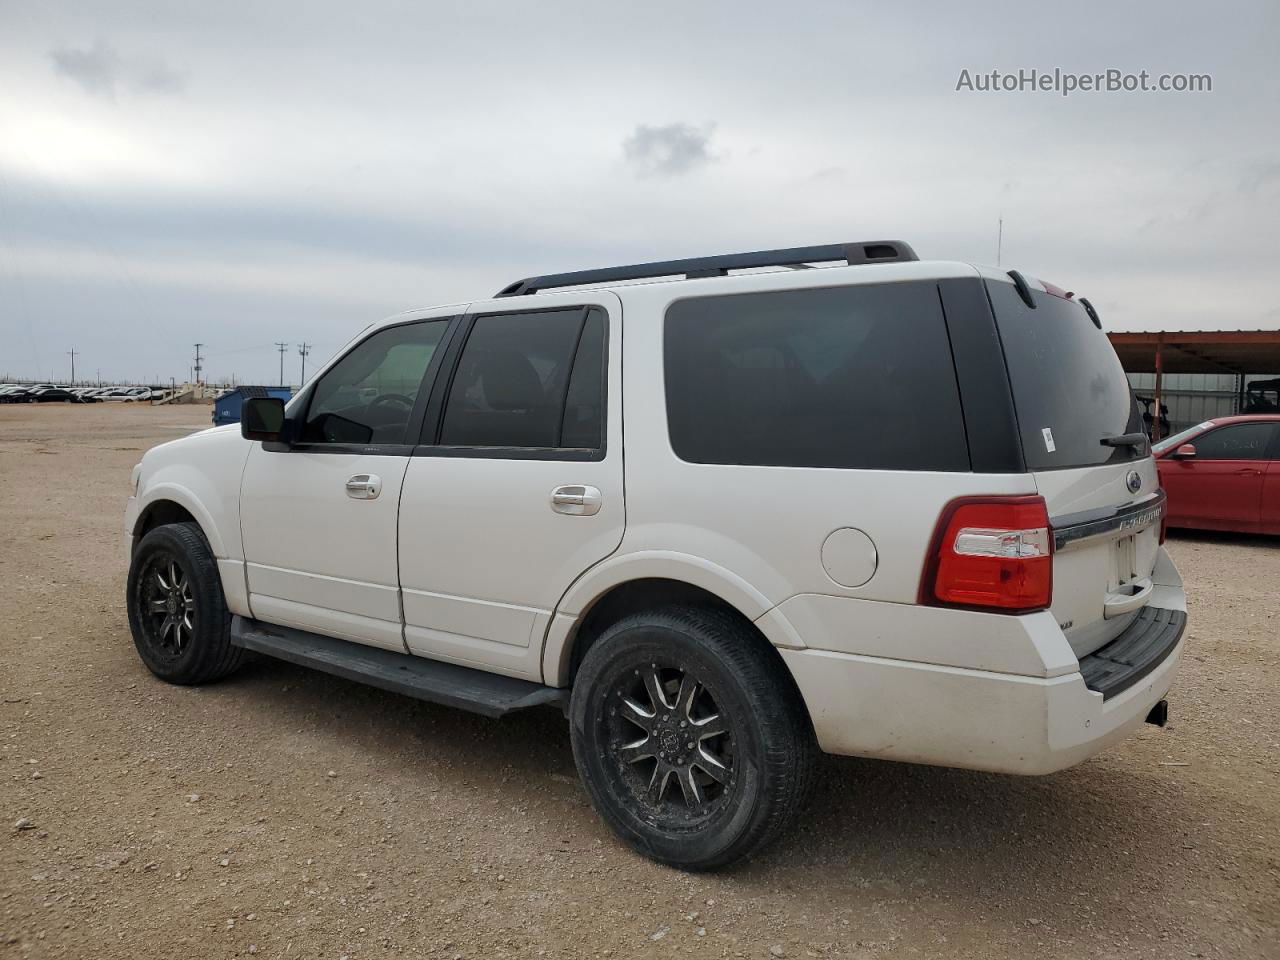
x,y
1180,438
1069,390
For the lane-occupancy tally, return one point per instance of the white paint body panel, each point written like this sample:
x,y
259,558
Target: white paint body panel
x,y
316,558
201,473
982,719
1084,572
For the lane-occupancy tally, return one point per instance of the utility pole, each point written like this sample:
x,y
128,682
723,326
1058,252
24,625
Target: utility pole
x,y
282,347
72,352
303,350
999,239
197,368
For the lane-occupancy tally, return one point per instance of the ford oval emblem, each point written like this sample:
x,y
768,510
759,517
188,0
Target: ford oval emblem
x,y
1133,481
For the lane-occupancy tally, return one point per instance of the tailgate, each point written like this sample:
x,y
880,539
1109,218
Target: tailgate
x,y
1106,538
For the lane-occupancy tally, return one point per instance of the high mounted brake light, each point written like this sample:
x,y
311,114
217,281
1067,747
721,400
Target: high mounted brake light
x,y
991,553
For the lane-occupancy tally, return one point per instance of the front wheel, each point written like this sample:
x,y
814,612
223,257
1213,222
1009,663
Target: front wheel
x,y
177,612
691,739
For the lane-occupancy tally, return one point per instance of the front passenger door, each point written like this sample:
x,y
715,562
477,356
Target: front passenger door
x,y
319,515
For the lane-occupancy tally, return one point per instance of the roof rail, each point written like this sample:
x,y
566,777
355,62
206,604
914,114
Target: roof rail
x,y
866,251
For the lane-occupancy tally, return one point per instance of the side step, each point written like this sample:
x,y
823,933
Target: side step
x,y
446,683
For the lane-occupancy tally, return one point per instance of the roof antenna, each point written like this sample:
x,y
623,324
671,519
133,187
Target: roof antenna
x,y
999,239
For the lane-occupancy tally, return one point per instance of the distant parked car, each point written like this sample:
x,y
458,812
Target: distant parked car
x,y
1224,474
52,395
130,394
1263,396
18,394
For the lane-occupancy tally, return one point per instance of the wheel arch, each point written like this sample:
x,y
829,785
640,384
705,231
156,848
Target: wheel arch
x,y
649,580
173,504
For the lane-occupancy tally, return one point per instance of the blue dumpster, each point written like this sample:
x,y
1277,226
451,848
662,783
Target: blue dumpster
x,y
226,409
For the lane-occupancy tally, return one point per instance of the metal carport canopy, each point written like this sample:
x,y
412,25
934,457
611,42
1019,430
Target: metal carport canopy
x,y
1198,351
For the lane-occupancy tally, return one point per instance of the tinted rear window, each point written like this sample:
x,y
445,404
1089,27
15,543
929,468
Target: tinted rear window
x,y
529,381
1069,389
858,377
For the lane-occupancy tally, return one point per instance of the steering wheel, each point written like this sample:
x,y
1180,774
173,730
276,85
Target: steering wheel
x,y
398,399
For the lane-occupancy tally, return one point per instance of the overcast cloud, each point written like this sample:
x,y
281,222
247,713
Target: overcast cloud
x,y
240,173
667,151
101,71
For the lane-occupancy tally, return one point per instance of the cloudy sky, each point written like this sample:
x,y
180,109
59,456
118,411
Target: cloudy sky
x,y
240,173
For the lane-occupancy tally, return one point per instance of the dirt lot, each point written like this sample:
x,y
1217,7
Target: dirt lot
x,y
284,813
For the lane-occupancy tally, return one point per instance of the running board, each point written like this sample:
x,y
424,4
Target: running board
x,y
445,683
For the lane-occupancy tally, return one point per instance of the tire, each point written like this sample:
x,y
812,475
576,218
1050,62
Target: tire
x,y
177,612
744,712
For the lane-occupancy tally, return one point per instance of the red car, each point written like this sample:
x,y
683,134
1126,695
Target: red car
x,y
1224,474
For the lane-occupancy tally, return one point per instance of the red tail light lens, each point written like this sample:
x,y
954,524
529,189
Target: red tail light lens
x,y
991,553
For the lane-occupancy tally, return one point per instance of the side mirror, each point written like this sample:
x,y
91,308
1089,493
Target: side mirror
x,y
262,418
1185,452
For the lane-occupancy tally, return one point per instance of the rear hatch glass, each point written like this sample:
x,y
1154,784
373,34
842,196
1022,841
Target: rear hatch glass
x,y
1069,389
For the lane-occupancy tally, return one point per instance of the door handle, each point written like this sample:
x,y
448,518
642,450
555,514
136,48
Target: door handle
x,y
364,486
576,500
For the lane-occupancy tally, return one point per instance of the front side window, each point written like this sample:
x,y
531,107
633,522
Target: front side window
x,y
852,377
529,380
368,395
1237,441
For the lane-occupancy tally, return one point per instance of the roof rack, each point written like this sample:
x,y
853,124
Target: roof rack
x,y
866,251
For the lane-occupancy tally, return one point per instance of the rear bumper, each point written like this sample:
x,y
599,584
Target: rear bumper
x,y
983,719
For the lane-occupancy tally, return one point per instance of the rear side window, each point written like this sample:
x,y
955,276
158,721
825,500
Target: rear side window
x,y
1237,441
1069,389
529,380
853,377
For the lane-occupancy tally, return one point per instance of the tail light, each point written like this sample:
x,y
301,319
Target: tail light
x,y
991,553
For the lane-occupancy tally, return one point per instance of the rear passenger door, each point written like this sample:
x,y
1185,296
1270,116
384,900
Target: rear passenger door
x,y
516,486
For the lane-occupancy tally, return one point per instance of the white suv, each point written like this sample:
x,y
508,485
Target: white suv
x,y
727,512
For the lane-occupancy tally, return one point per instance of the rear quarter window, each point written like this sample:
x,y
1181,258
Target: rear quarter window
x,y
847,377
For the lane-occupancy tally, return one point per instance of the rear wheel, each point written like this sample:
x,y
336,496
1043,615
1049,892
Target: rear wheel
x,y
177,612
691,740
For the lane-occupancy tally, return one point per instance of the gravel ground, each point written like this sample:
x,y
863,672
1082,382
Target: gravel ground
x,y
284,813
